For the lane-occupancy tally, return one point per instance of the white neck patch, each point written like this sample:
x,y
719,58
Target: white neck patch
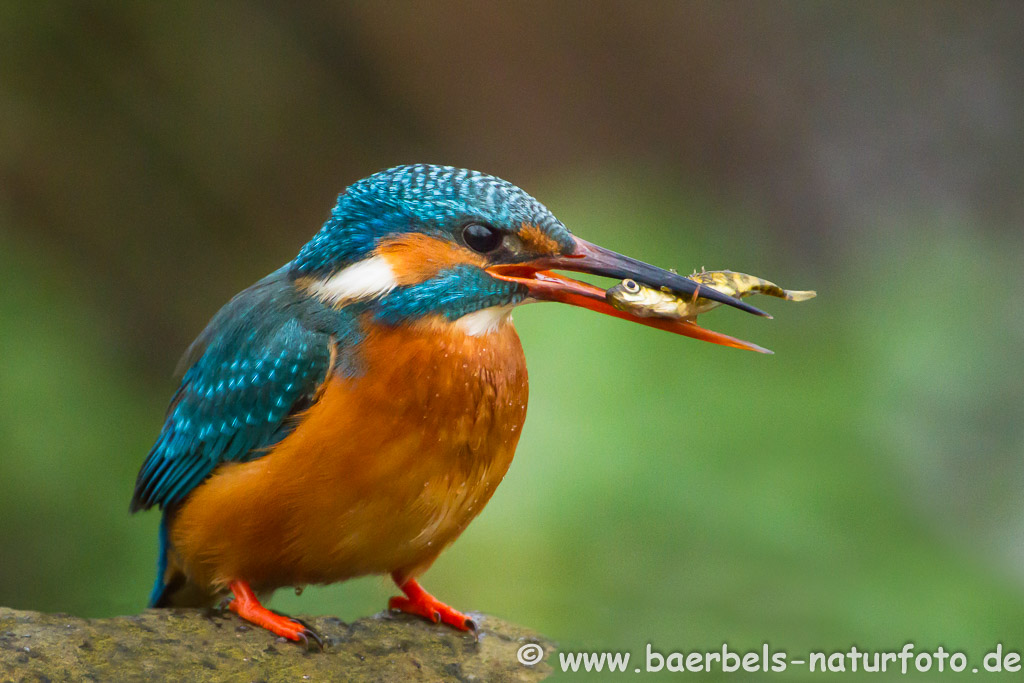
x,y
369,278
486,320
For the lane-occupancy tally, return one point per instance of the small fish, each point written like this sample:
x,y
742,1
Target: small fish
x,y
643,301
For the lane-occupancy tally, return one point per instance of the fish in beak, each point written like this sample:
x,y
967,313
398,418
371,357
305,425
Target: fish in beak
x,y
544,285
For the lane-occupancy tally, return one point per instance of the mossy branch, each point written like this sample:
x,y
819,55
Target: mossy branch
x,y
197,645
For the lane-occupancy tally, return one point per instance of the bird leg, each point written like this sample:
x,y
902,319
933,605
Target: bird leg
x,y
246,605
423,604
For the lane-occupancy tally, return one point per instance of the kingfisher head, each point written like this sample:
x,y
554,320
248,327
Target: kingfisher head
x,y
424,241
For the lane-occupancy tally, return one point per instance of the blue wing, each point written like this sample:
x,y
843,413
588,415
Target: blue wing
x,y
260,360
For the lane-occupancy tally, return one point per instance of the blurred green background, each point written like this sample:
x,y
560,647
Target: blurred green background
x,y
862,486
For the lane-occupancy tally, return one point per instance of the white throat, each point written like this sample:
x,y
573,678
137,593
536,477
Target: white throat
x,y
486,320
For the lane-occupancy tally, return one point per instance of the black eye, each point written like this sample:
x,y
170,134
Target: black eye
x,y
481,238
631,286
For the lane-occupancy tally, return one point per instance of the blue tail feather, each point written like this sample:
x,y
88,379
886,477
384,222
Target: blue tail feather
x,y
157,595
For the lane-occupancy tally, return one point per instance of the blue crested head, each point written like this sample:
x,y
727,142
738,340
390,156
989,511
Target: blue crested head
x,y
417,240
429,199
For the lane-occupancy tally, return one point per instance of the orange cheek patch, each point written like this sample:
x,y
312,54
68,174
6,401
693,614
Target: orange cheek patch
x,y
416,257
537,242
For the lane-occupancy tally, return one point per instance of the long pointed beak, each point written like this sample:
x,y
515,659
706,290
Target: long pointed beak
x,y
544,285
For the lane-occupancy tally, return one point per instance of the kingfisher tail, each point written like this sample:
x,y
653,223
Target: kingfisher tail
x,y
172,588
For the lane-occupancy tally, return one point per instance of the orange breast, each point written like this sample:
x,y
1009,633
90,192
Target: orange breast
x,y
383,472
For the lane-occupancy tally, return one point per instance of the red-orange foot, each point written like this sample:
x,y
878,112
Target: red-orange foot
x,y
423,604
247,606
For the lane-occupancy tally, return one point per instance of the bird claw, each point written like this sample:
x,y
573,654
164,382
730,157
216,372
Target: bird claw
x,y
311,640
309,634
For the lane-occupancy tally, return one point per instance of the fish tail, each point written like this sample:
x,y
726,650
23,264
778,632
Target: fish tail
x,y
799,295
772,289
741,285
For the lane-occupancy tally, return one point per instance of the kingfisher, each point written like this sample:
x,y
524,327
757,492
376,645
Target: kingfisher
x,y
354,410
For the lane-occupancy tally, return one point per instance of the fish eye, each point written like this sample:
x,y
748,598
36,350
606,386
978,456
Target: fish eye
x,y
631,286
481,238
